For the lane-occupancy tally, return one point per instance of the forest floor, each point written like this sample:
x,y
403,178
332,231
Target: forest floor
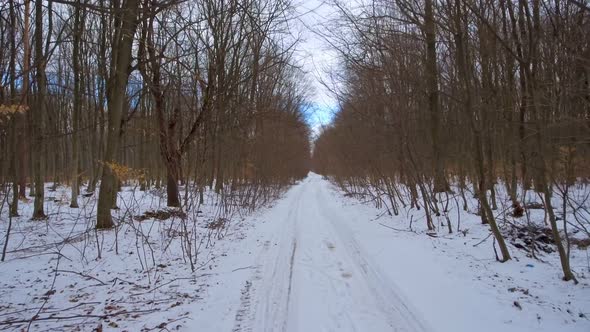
x,y
314,261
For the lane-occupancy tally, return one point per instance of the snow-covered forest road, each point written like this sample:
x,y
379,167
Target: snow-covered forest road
x,y
313,260
317,261
312,275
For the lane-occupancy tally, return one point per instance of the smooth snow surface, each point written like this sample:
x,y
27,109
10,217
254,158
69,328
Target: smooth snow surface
x,y
315,261
320,262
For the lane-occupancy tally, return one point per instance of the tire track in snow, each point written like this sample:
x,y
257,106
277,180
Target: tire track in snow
x,y
313,275
291,266
242,315
270,290
390,299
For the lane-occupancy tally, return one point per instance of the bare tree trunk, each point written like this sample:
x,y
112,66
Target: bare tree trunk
x,y
39,115
25,118
440,182
116,87
17,117
475,114
563,256
78,30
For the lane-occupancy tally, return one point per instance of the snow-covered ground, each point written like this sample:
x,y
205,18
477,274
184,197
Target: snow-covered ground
x,y
315,261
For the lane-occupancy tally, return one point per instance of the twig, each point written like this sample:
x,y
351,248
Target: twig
x,y
104,316
7,237
8,229
244,268
71,308
495,251
482,241
82,275
162,285
396,229
48,296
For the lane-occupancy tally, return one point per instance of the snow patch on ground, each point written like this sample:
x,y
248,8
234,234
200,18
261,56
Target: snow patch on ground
x,y
315,261
136,277
455,280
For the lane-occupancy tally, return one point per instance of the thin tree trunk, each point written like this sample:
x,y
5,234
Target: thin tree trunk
x,y
16,120
39,115
440,182
78,28
24,152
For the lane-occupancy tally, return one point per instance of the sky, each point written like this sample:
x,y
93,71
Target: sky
x,y
316,58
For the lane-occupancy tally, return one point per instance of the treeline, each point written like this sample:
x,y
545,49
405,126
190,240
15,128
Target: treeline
x,y
200,92
462,95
